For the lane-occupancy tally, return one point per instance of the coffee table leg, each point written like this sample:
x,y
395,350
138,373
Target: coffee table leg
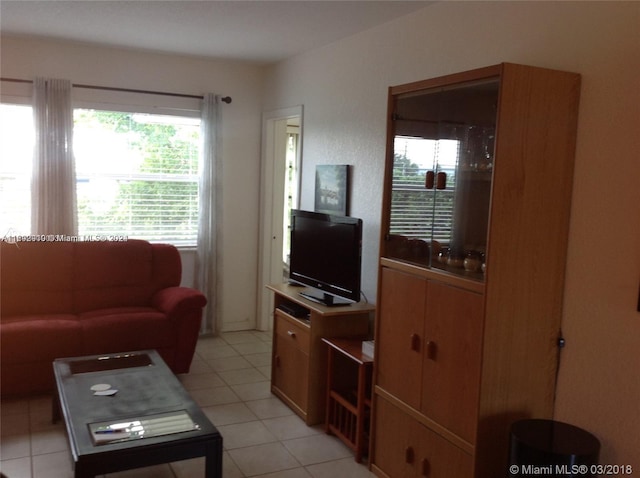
x,y
55,409
213,459
80,472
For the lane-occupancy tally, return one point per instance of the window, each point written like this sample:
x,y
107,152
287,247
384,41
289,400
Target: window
x,y
413,206
137,175
16,150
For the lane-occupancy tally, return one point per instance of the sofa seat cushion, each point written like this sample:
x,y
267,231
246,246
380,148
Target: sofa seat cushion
x,y
124,329
39,338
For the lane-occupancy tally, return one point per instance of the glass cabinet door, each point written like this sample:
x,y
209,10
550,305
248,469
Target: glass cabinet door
x,y
443,152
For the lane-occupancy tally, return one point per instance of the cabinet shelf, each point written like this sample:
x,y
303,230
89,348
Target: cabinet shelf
x,y
349,385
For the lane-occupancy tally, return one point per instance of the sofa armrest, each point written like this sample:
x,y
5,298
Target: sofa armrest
x,y
184,307
175,301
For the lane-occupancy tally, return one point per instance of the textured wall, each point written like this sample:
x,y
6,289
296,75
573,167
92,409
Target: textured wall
x,y
343,89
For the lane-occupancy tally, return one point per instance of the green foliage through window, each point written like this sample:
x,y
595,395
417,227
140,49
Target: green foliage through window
x,y
137,175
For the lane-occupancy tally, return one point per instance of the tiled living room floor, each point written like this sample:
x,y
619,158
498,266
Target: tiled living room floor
x,y
229,378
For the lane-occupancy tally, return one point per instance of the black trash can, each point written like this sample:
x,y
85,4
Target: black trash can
x,y
552,449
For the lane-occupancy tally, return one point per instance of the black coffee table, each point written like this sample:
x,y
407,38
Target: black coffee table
x,y
151,419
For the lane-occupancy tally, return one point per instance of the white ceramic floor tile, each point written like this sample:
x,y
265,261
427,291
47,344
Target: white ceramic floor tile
x,y
207,397
293,473
51,440
289,427
253,391
17,468
15,446
52,465
233,338
158,471
229,414
15,424
258,460
252,347
40,416
266,371
259,360
265,336
194,468
14,407
229,468
202,380
41,402
245,375
188,468
245,434
317,449
209,343
225,350
338,468
223,364
198,365
269,408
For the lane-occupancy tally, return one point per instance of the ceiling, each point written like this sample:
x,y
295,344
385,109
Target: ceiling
x,y
263,31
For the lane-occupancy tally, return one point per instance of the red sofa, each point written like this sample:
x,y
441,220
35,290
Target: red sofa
x,y
66,299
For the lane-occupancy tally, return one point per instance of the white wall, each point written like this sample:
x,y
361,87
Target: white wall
x,y
343,89
87,64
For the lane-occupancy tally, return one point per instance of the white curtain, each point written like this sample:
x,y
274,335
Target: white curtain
x,y
210,207
53,181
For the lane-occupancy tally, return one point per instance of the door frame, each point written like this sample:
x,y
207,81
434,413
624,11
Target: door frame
x,y
271,197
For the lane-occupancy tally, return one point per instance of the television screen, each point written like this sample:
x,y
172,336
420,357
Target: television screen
x,y
326,256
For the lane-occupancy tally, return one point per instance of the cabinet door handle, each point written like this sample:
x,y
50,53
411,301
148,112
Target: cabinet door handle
x,y
432,350
409,455
429,180
291,334
426,467
277,360
415,342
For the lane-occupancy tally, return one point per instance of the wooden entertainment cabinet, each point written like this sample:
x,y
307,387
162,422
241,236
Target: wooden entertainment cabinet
x,y
472,261
299,357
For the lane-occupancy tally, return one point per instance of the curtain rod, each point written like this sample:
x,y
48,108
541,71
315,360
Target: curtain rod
x,y
225,99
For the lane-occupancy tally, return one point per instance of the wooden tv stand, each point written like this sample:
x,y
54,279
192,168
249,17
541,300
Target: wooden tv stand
x,y
299,357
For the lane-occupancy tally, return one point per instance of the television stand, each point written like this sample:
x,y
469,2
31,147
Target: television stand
x,y
324,298
299,357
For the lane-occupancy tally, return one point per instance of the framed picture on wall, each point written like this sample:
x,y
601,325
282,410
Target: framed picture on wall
x,y
332,189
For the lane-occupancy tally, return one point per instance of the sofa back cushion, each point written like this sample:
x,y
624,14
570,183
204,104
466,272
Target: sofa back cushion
x,y
117,274
35,278
167,266
39,278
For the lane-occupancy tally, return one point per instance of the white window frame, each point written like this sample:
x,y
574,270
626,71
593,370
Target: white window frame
x,y
118,101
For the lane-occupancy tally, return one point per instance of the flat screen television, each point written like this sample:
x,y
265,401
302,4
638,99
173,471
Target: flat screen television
x,y
326,256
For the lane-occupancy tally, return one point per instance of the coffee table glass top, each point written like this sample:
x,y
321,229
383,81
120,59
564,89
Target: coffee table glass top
x,y
148,401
